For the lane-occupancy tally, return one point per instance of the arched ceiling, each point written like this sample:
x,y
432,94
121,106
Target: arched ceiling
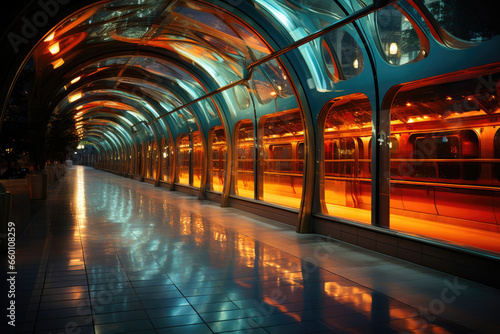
x,y
135,64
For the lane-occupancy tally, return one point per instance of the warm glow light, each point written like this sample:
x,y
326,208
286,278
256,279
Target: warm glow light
x,y
75,80
448,98
79,107
393,49
273,93
50,37
408,104
356,63
57,63
54,48
75,97
410,120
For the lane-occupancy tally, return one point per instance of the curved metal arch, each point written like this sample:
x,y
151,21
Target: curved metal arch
x,y
116,120
115,141
127,147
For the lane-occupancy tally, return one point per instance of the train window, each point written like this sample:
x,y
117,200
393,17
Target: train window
x,y
466,20
154,159
183,158
280,132
339,156
342,55
165,160
300,156
398,40
496,148
244,165
443,156
281,159
347,126
197,159
217,164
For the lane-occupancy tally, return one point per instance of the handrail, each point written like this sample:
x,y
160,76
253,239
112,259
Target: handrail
x,y
421,183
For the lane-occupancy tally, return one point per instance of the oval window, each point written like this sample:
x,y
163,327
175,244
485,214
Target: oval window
x,y
398,40
342,55
242,97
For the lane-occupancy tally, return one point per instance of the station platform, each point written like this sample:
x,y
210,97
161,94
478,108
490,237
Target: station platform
x,y
106,254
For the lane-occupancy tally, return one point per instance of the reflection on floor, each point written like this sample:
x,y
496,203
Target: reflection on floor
x,y
107,254
459,235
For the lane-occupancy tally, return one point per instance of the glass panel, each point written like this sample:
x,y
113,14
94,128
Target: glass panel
x,y
183,159
399,43
443,169
342,55
217,165
467,20
197,159
496,147
245,153
138,169
347,159
165,161
282,134
262,89
154,159
148,161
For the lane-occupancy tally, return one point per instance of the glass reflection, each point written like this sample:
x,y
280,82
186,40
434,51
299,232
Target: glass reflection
x,y
472,21
398,39
347,158
183,159
197,158
153,241
244,166
217,158
165,160
443,158
283,145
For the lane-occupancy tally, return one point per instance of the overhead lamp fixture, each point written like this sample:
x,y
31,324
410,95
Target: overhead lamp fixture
x,y
58,63
75,80
356,63
393,49
74,97
50,37
54,48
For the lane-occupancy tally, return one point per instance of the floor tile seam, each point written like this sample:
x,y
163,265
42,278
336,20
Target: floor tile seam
x,y
88,292
47,249
44,262
189,302
183,296
131,286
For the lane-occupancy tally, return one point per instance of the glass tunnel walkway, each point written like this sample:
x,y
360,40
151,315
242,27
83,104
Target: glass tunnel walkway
x,y
106,254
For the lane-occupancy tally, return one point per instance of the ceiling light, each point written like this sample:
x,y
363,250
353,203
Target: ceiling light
x,y
57,63
54,48
50,37
74,97
393,49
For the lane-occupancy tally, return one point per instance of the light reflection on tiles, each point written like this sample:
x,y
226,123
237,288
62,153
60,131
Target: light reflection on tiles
x,y
125,256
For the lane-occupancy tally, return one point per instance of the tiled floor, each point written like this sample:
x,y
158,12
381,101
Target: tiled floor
x,y
106,254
